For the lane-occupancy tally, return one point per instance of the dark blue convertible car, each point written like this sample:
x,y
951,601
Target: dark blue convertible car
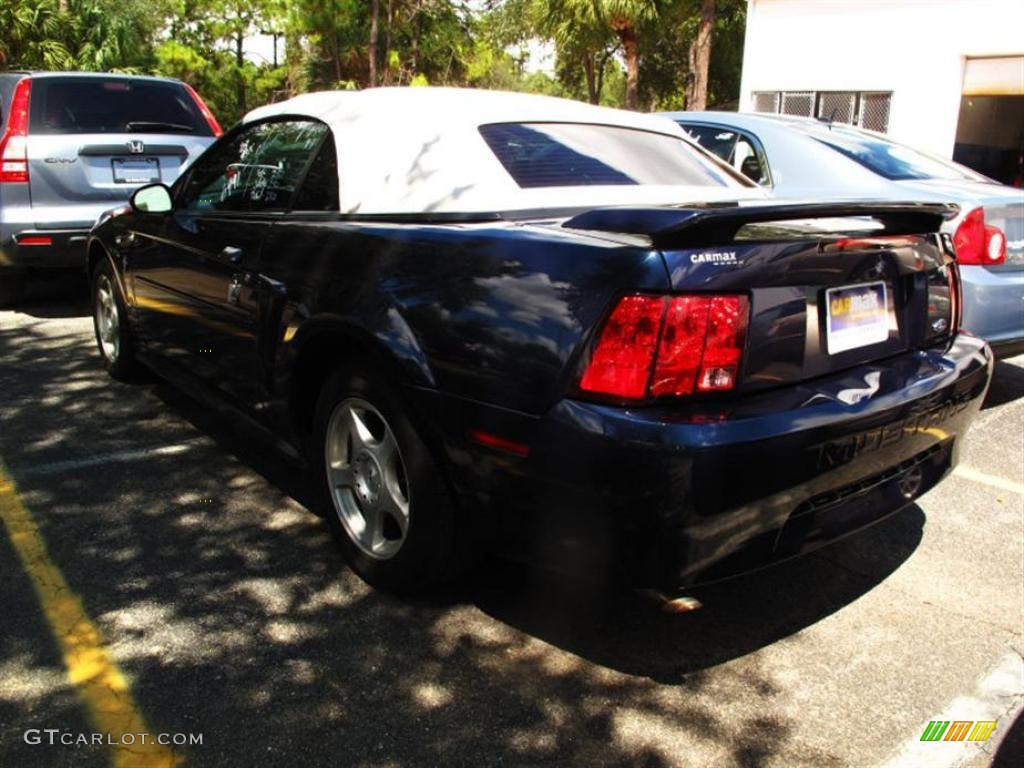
x,y
498,321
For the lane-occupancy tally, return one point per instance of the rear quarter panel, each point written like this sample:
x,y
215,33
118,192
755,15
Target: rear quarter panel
x,y
494,313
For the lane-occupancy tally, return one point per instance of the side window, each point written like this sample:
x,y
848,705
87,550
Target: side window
x,y
319,192
718,141
747,161
256,170
737,149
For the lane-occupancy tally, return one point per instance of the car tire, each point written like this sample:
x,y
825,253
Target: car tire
x,y
12,288
379,487
110,325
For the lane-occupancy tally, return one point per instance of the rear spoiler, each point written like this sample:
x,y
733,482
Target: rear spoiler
x,y
718,225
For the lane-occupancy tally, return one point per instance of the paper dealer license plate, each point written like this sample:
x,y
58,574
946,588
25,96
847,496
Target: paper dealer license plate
x,y
857,316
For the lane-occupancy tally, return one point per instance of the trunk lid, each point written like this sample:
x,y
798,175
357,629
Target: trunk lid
x,y
830,286
94,140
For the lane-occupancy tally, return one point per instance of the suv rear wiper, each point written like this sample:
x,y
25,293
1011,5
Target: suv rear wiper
x,y
135,125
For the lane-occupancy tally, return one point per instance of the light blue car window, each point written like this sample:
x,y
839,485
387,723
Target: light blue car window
x,y
718,141
891,160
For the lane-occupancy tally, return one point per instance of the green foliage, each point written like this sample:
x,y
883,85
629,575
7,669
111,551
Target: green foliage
x,y
91,35
326,44
664,65
34,36
112,35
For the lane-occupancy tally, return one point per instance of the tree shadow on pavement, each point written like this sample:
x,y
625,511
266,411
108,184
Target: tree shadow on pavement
x,y
230,610
628,633
1010,753
60,295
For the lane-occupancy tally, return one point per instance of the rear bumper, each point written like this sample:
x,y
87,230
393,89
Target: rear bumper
x,y
66,249
994,306
687,494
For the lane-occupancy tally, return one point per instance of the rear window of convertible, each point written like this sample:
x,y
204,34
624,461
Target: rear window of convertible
x,y
577,154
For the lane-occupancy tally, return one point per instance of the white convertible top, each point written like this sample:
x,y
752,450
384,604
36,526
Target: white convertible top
x,y
418,150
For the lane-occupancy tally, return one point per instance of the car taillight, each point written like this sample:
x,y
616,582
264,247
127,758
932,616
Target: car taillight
x,y
620,364
34,240
682,346
956,310
995,245
943,304
201,105
668,346
14,142
727,330
978,243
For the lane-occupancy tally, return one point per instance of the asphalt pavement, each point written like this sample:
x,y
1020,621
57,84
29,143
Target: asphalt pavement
x,y
221,605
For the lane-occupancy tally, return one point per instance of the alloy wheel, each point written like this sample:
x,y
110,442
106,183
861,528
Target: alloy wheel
x,y
108,320
367,478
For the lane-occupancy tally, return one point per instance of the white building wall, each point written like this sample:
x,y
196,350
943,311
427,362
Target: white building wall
x,y
915,48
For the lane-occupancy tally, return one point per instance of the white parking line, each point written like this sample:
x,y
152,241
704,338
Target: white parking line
x,y
970,473
999,697
71,465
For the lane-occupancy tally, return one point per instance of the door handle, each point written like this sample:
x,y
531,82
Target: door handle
x,y
235,288
232,255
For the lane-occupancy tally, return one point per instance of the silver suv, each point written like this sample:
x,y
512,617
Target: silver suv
x,y
73,145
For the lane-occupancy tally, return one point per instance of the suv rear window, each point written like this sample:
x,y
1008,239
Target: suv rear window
x,y
113,105
577,154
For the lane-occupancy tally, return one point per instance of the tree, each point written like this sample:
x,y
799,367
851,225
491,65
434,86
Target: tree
x,y
654,53
374,24
665,68
234,21
700,59
34,33
624,16
582,40
111,35
583,27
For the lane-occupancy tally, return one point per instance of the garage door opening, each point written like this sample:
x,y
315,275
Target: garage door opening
x,y
990,131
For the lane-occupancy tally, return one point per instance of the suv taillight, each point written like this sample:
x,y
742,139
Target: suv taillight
x,y
654,346
201,105
977,243
14,142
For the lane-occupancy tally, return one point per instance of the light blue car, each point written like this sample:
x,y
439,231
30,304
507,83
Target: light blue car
x,y
804,158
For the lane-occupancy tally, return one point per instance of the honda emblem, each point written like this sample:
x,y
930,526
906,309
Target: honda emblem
x,y
136,147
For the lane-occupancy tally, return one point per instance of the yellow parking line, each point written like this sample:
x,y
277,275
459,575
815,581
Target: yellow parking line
x,y
970,473
90,667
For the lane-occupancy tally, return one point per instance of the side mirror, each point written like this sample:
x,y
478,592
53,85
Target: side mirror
x,y
152,198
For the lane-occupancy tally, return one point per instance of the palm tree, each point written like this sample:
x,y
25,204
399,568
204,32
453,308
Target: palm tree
x,y
587,20
624,16
581,39
32,33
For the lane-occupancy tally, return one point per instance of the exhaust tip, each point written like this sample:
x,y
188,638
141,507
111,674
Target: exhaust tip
x,y
672,605
684,604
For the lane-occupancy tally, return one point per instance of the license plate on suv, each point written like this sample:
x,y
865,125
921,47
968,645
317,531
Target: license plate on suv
x,y
856,316
141,170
